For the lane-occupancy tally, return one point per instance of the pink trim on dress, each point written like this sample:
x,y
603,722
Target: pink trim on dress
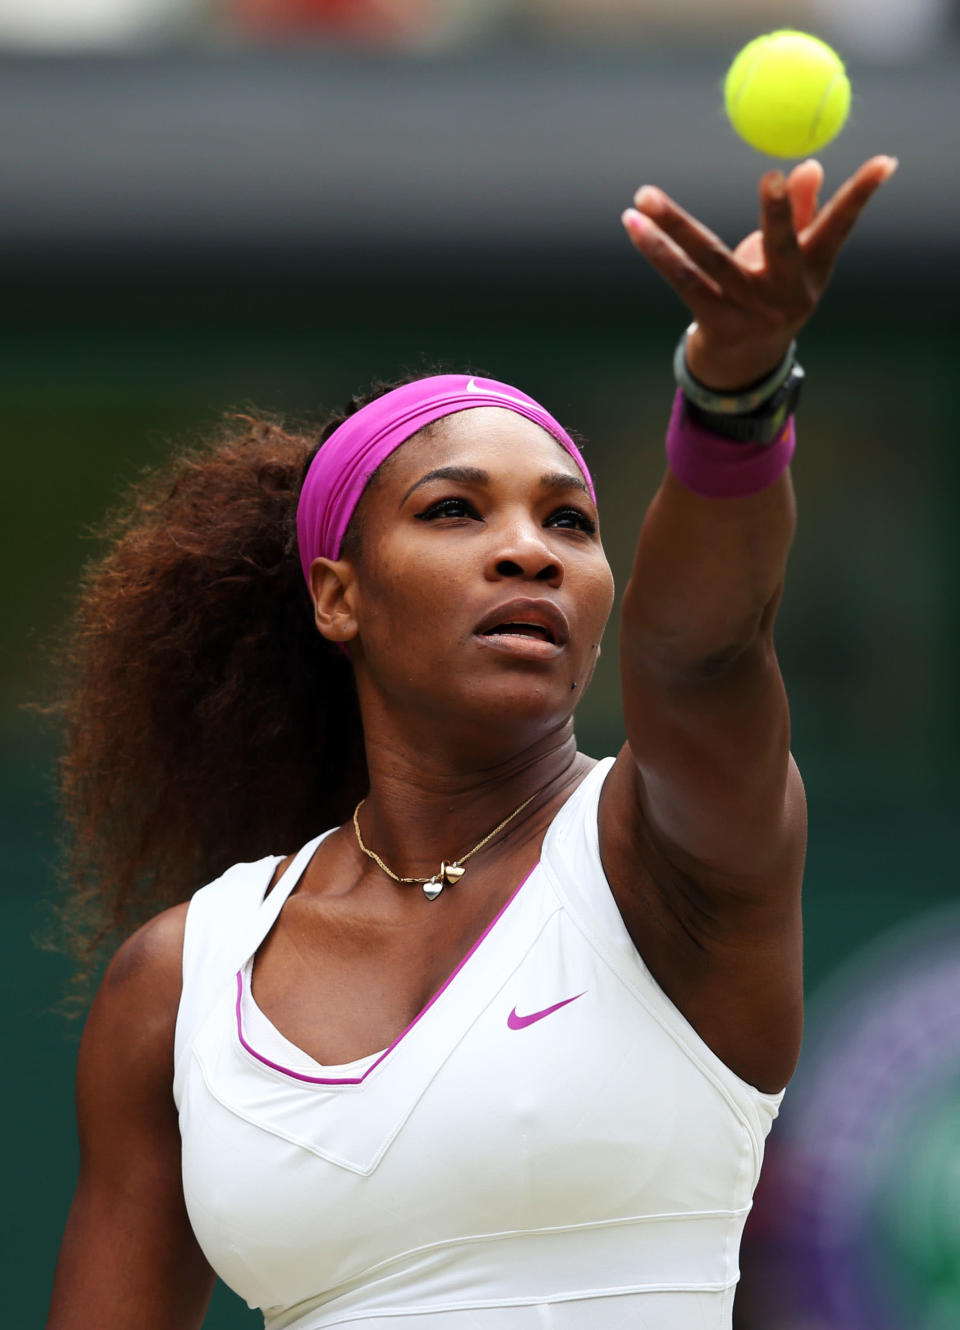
x,y
358,1080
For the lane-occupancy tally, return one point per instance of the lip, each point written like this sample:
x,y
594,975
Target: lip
x,y
541,613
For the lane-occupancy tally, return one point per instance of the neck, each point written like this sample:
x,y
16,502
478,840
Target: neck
x,y
423,808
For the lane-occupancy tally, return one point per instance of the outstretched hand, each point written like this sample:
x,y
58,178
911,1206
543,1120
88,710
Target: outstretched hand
x,y
749,303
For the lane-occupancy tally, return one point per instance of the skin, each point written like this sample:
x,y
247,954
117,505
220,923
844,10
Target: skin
x,y
701,818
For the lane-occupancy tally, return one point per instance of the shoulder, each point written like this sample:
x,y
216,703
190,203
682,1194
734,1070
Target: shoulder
x,y
146,973
128,1049
152,954
129,1034
142,980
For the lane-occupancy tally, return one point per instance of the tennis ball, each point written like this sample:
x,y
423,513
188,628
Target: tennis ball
x,y
787,93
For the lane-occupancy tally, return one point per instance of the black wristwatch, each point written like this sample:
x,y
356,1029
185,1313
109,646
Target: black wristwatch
x,y
756,414
762,425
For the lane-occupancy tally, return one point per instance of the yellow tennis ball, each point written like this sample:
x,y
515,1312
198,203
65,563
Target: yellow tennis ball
x,y
787,93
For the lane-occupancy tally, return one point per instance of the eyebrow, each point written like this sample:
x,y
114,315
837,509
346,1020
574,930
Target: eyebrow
x,y
466,475
564,480
472,475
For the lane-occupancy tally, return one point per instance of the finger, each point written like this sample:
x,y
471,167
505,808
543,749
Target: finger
x,y
826,235
749,253
784,260
707,250
698,292
803,185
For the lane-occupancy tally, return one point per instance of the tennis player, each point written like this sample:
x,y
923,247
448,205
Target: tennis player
x,y
500,1046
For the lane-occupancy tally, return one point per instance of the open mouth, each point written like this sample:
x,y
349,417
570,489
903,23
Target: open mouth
x,y
535,630
525,625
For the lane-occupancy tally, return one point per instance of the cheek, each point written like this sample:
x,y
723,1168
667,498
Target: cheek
x,y
400,592
598,599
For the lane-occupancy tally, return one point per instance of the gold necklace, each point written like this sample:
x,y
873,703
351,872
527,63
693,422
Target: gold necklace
x,y
447,873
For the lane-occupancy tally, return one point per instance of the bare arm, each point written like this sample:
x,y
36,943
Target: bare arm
x,y
702,821
129,1260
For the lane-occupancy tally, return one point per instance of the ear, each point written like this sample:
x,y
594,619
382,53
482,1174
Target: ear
x,y
332,589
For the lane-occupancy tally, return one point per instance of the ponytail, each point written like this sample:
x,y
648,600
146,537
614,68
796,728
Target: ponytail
x,y
206,720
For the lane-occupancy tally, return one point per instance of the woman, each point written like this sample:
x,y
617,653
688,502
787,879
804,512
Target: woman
x,y
507,1055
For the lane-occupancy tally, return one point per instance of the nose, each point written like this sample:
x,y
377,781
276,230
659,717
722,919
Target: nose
x,y
522,553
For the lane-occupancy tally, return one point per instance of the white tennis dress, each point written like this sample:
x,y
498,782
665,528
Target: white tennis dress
x,y
549,1145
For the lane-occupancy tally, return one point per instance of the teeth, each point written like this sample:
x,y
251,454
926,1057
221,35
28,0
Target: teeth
x,y
522,630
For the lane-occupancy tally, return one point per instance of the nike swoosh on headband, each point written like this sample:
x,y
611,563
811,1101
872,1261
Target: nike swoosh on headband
x,y
474,387
516,1022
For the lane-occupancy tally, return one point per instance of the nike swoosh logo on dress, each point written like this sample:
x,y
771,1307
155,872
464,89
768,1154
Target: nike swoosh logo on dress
x,y
521,1022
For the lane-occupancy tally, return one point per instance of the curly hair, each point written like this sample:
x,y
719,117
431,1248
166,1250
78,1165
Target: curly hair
x,y
205,719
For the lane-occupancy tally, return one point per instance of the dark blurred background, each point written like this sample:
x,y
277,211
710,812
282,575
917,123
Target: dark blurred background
x,y
274,201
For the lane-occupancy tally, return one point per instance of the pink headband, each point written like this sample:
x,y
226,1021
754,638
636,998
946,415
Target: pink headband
x,y
341,469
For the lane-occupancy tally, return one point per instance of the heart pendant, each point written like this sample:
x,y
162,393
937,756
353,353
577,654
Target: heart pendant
x,y
451,872
433,888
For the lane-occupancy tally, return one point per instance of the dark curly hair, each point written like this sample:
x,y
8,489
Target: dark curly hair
x,y
205,719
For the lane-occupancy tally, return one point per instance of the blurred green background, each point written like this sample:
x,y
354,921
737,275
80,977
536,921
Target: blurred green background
x,y
198,224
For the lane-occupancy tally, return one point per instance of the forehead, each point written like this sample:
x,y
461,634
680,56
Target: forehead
x,y
489,436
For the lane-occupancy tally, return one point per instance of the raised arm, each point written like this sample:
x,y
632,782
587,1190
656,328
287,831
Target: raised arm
x,y
129,1260
702,820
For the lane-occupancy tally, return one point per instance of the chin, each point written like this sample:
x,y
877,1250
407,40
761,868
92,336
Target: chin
x,y
522,709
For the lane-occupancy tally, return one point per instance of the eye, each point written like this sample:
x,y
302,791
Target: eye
x,y
447,508
572,519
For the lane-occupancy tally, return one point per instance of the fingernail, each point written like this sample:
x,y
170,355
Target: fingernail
x,y
891,168
647,197
777,187
632,220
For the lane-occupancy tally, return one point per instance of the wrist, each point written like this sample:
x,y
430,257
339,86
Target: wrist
x,y
756,413
730,369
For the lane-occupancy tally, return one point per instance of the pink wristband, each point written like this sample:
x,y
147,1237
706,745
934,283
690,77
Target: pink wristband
x,y
720,468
